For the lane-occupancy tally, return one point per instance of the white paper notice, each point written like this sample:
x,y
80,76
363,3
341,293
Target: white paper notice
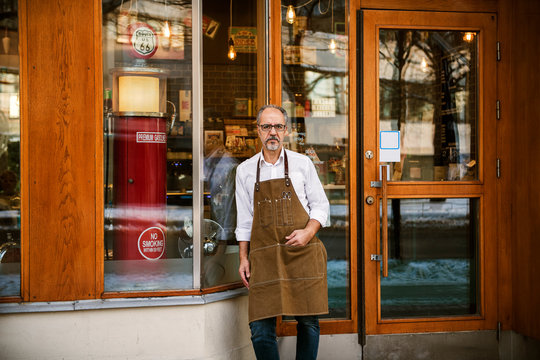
x,y
389,146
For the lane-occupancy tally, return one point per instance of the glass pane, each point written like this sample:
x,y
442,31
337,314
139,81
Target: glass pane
x,y
432,258
147,81
230,102
428,90
315,93
10,184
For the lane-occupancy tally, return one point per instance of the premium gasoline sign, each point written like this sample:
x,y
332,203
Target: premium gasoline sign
x,y
151,137
152,243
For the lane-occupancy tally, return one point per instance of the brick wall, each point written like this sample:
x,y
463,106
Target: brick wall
x,y
221,85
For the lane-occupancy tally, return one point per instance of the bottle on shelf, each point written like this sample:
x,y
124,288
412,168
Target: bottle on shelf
x,y
294,138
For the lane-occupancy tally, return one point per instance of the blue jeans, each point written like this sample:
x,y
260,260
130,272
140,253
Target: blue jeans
x,y
263,337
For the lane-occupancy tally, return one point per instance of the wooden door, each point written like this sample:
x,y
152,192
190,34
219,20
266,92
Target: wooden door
x,y
430,119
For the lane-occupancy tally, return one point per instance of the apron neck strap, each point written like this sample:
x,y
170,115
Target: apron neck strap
x,y
286,165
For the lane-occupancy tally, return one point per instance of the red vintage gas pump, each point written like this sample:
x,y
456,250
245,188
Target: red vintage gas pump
x,y
140,149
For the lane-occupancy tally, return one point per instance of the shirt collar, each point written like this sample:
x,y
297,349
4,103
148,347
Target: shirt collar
x,y
279,161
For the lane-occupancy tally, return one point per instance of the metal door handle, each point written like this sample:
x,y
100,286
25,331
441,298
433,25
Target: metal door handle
x,y
384,220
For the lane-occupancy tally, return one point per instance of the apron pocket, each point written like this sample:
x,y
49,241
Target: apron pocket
x,y
284,216
305,262
264,268
265,212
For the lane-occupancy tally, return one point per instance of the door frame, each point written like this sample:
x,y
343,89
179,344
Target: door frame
x,y
484,187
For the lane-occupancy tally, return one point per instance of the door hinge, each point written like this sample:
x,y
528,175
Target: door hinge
x,y
498,108
498,168
498,51
499,326
376,257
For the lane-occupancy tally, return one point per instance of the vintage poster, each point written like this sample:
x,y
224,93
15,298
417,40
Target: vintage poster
x,y
245,39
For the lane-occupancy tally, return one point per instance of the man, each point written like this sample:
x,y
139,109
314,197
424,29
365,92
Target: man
x,y
281,205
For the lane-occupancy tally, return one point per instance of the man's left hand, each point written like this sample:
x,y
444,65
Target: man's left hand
x,y
301,237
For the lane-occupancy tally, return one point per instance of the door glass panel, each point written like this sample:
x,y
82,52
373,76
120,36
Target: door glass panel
x,y
432,258
428,90
147,81
10,183
315,94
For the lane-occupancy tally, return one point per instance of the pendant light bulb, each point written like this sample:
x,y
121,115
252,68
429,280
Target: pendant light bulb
x,y
291,15
468,37
332,46
424,65
232,52
166,30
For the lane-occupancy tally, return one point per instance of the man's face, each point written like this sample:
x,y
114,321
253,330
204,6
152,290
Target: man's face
x,y
271,139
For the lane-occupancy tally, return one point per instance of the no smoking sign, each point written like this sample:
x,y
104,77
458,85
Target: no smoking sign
x,y
152,243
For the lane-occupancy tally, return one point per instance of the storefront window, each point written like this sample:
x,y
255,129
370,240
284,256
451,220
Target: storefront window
x,y
10,185
315,93
230,106
154,123
147,79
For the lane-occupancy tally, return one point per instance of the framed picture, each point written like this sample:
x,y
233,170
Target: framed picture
x,y
213,139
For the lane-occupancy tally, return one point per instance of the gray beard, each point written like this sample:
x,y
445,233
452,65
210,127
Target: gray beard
x,y
272,147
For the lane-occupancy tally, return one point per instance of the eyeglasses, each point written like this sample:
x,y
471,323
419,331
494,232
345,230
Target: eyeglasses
x,y
278,127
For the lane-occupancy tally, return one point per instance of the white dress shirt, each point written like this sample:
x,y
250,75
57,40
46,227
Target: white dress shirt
x,y
304,179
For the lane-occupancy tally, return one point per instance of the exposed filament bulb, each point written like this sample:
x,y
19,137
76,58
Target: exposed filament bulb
x,y
291,15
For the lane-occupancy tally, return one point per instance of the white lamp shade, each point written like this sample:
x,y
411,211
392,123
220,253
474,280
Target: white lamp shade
x,y
138,94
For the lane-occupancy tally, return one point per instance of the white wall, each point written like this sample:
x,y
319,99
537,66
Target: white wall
x,y
218,330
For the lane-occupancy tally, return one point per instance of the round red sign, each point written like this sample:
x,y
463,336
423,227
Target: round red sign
x,y
143,40
152,243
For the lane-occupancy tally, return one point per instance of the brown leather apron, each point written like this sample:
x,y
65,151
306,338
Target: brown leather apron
x,y
285,280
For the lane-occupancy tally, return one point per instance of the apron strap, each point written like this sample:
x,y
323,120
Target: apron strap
x,y
286,165
257,182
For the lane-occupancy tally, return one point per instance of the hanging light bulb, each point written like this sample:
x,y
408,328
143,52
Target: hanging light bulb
x,y
469,36
232,52
332,46
291,15
166,30
424,65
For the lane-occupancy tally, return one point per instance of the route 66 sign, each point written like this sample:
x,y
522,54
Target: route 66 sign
x,y
143,40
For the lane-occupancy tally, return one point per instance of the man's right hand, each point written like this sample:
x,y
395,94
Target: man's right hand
x,y
244,268
244,272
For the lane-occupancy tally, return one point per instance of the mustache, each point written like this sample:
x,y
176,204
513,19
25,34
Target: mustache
x,y
272,138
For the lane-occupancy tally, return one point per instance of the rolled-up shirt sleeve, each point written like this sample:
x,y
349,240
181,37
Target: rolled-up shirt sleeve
x,y
244,218
318,204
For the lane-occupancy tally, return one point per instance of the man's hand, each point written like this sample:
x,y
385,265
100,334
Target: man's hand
x,y
244,268
301,237
244,272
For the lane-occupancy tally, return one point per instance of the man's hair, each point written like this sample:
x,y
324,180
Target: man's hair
x,y
272,106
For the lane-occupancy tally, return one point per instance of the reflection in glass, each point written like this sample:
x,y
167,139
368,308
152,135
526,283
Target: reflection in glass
x,y
230,136
432,258
147,145
315,94
428,90
10,185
